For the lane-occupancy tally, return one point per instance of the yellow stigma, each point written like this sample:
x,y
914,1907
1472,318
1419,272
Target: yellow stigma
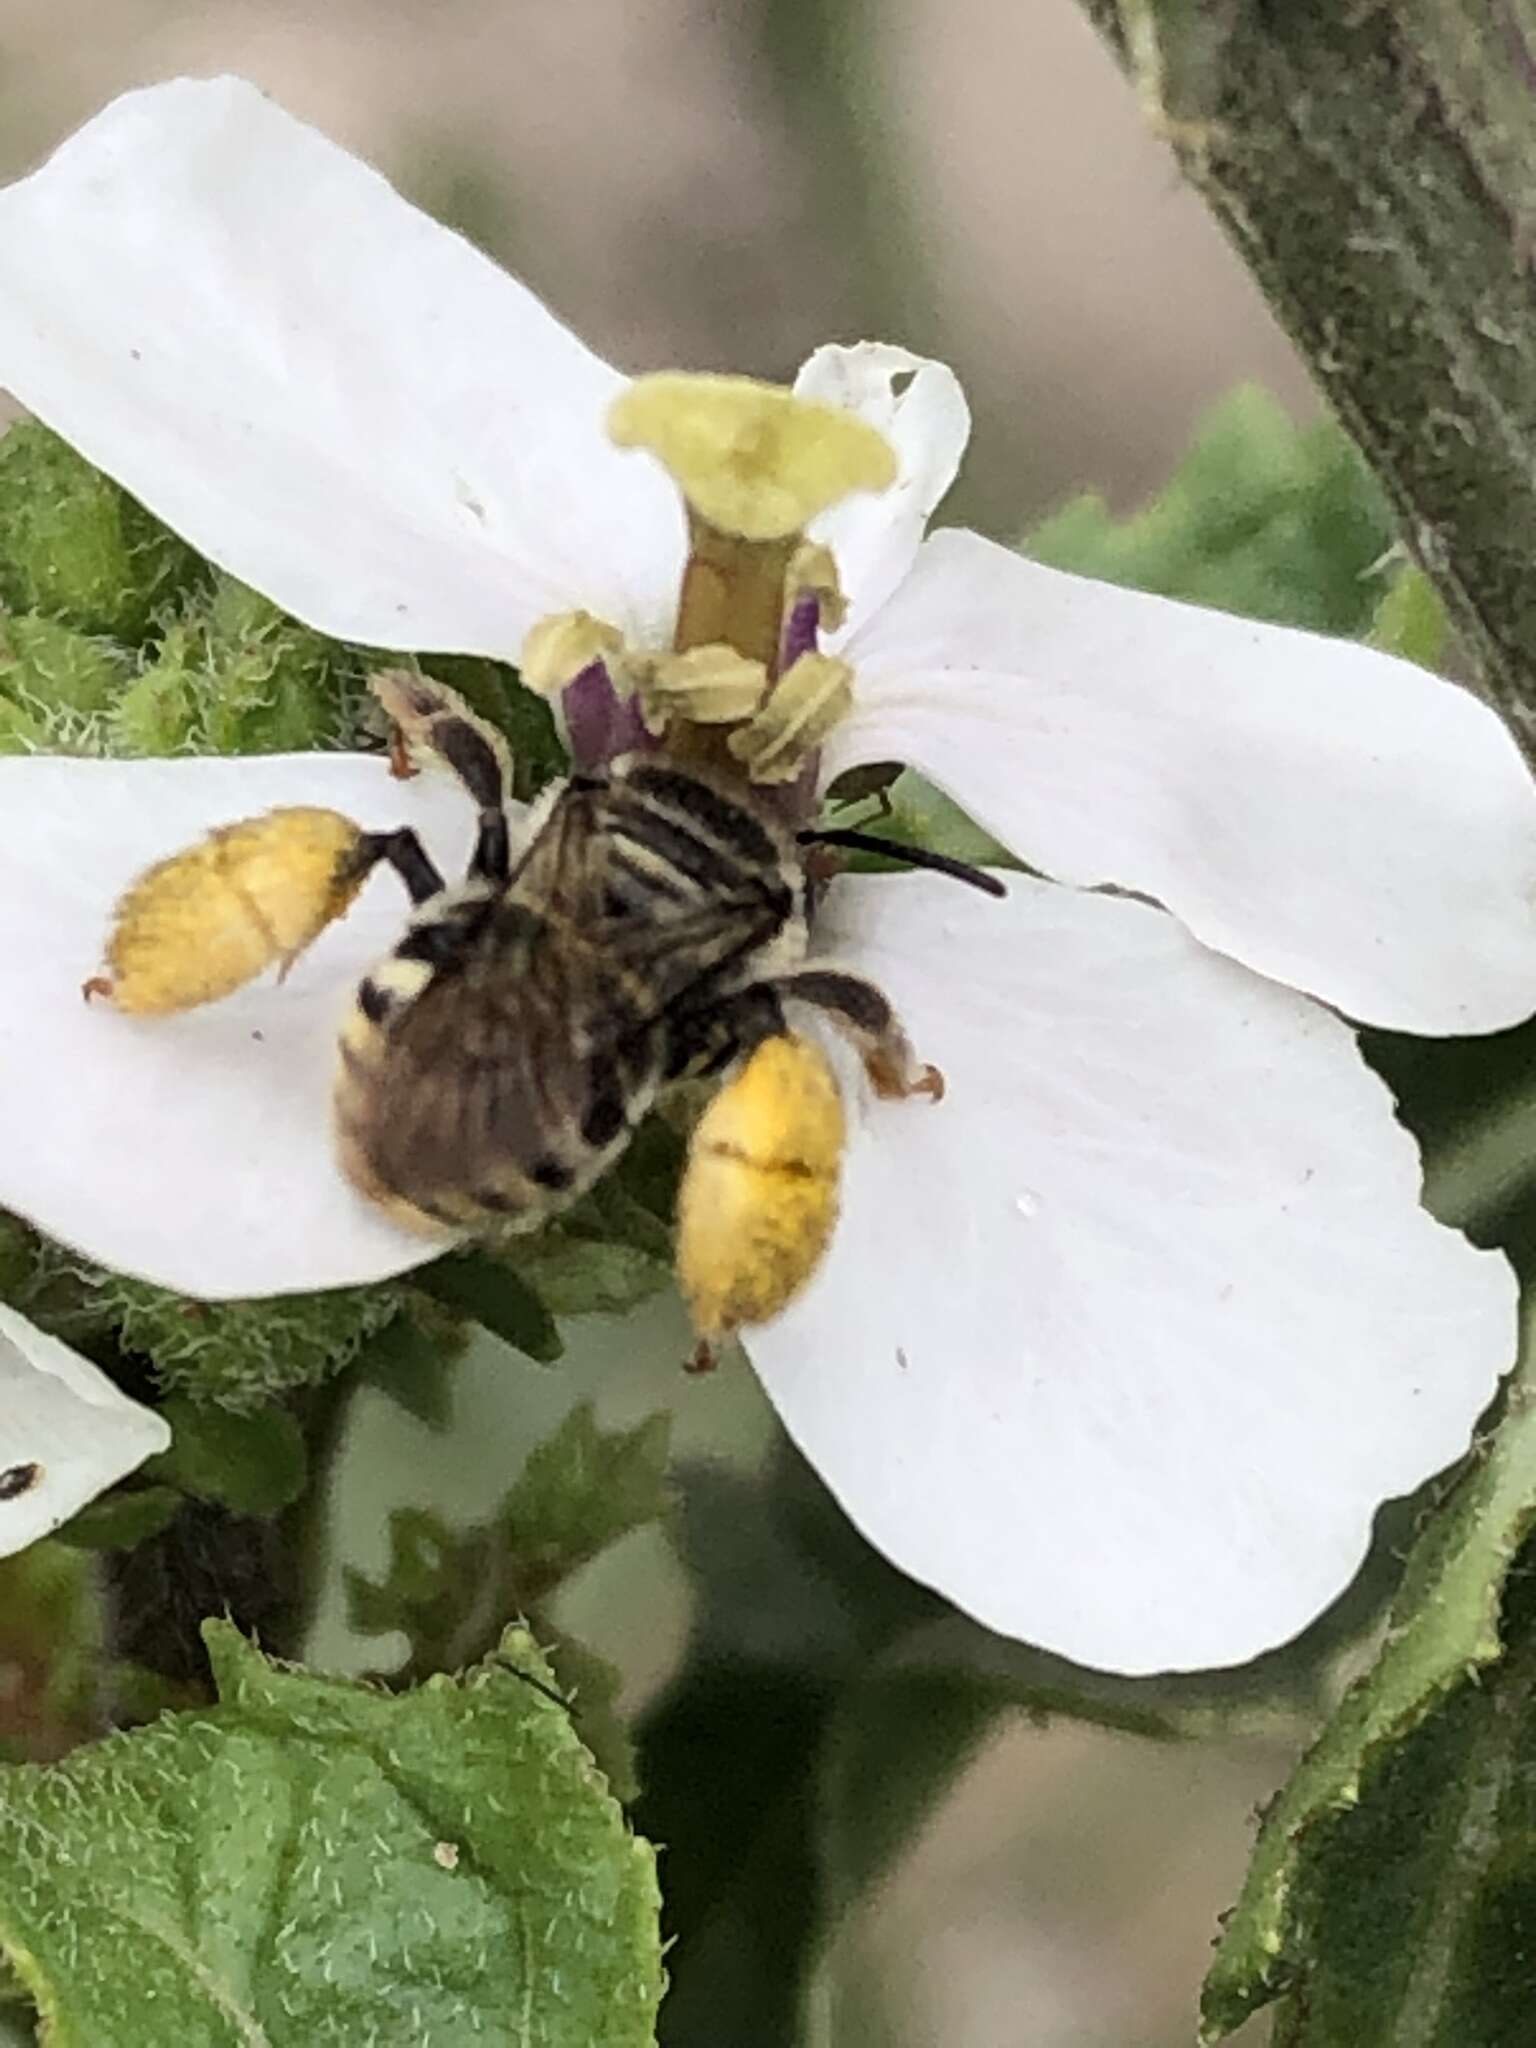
x,y
199,925
751,459
759,1198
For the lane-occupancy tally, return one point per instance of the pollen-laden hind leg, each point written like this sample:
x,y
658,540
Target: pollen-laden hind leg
x,y
758,1201
250,896
759,1198
863,1013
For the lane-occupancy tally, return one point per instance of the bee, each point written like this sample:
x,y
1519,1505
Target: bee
x,y
647,926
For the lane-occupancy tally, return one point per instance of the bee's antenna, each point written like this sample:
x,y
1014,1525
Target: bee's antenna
x,y
896,849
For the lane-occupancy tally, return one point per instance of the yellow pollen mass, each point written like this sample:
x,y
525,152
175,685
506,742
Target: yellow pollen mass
x,y
204,922
558,648
759,1197
751,459
711,685
814,695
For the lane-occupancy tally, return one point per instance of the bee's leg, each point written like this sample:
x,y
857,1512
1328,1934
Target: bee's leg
x,y
404,852
704,1041
431,720
863,1013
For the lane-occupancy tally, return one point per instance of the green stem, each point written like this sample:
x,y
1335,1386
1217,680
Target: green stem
x,y
1376,168
1488,1166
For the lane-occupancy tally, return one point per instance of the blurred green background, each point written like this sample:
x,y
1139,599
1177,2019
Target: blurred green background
x,y
730,185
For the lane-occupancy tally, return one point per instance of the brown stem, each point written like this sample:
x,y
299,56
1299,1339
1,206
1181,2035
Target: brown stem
x,y
1376,167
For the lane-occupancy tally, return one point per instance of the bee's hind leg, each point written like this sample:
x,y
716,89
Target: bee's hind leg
x,y
862,1012
404,852
705,1041
430,722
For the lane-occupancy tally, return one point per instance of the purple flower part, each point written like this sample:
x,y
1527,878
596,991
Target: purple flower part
x,y
795,802
599,723
800,630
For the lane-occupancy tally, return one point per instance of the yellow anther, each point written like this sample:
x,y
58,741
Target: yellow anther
x,y
809,699
813,573
558,648
204,922
711,685
759,1199
750,458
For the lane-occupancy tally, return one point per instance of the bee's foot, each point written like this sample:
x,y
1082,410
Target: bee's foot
x,y
98,985
894,1081
703,1359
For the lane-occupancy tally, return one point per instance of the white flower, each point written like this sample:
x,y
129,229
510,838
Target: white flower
x,y
1119,1346
65,1432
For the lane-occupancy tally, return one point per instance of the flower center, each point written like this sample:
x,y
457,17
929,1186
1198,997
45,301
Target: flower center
x,y
744,687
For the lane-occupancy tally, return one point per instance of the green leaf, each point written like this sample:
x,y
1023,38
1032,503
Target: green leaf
x,y
485,1288
22,730
123,1519
591,1686
451,1592
927,817
77,548
728,1771
51,1634
585,1487
237,1354
527,719
61,682
441,1588
792,1607
1262,517
647,1175
893,1746
578,1276
1410,619
1445,1631
313,1863
411,1361
1418,1909
254,1463
234,675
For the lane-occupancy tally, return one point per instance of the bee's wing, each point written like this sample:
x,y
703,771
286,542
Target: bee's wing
x,y
563,867
506,1085
634,929
675,953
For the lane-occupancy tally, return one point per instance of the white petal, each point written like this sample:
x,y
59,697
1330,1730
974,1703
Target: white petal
x,y
322,389
59,1414
194,1151
919,407
1121,1344
1331,816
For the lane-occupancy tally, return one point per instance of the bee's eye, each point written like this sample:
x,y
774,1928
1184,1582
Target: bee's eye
x,y
16,1480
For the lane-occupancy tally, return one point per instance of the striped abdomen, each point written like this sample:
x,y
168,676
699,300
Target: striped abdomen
x,y
467,1094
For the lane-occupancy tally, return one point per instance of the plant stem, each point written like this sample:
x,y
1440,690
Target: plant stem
x,y
1376,168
